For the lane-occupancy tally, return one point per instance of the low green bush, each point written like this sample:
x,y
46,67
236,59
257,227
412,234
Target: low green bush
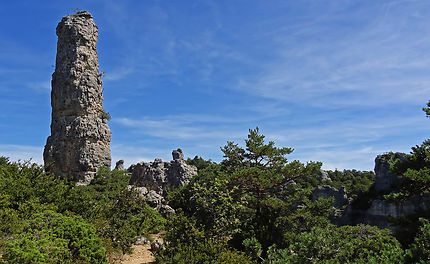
x,y
54,238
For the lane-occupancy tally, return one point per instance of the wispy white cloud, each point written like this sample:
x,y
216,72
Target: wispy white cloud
x,y
380,63
181,127
117,74
42,87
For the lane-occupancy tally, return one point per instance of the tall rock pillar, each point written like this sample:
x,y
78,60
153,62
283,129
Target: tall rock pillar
x,y
80,137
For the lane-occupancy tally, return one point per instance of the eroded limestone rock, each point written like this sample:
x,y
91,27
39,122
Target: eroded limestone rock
x,y
377,210
119,165
339,196
80,138
323,176
385,181
160,176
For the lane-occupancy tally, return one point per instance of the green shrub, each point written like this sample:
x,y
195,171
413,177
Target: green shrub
x,y
355,182
419,251
54,238
347,244
186,243
106,115
117,212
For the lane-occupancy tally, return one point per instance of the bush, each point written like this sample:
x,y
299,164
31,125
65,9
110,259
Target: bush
x,y
54,238
347,244
419,251
186,243
117,212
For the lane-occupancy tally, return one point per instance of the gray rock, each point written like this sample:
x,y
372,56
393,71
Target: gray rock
x,y
384,179
323,176
340,198
380,209
154,199
142,241
156,246
119,165
80,138
177,155
141,191
165,210
162,176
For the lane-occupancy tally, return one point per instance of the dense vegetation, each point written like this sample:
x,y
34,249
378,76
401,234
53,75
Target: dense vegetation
x,y
44,219
355,182
257,203
255,206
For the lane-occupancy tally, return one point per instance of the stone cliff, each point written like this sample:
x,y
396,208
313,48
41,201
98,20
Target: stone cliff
x,y
80,138
378,209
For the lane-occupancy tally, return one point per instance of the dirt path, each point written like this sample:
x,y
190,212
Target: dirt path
x,y
141,254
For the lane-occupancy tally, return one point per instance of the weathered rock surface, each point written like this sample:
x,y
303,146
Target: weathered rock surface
x,y
378,210
340,198
323,176
153,199
119,165
80,138
385,180
160,176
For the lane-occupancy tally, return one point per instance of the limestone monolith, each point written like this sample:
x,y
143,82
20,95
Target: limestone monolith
x,y
80,138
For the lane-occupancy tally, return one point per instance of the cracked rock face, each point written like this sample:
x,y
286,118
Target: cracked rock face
x,y
80,137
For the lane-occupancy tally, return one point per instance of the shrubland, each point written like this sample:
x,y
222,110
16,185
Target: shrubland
x,y
45,219
254,206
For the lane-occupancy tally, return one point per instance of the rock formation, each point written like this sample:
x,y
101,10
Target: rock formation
x,y
378,209
119,165
385,181
80,137
340,198
160,176
323,176
153,199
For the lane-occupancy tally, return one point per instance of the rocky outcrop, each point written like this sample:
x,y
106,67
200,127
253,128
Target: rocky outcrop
x,y
339,196
373,209
119,165
385,181
152,180
379,210
323,176
80,138
161,176
153,199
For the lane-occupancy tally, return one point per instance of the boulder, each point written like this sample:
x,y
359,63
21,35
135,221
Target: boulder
x,y
154,199
142,241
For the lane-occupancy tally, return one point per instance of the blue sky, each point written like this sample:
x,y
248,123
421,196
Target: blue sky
x,y
339,81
